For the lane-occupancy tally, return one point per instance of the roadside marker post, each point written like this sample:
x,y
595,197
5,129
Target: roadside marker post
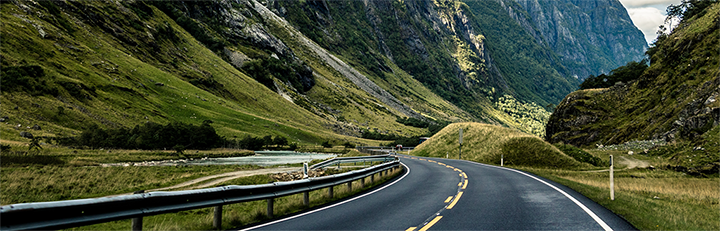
x,y
612,183
501,160
460,155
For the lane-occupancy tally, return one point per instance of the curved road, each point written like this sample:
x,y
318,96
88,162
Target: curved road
x,y
447,194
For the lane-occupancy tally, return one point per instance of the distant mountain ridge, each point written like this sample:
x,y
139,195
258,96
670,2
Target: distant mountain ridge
x,y
590,37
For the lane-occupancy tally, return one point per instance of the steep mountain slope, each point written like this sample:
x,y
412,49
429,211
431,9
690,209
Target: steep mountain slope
x,y
676,96
308,70
590,37
68,65
473,54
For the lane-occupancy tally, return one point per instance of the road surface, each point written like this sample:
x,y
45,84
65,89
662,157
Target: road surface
x,y
446,194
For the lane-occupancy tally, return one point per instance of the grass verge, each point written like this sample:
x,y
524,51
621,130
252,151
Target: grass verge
x,y
649,200
242,214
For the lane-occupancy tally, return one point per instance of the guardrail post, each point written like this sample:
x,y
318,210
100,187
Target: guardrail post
x,y
349,184
372,178
330,191
362,182
137,222
217,217
270,207
306,198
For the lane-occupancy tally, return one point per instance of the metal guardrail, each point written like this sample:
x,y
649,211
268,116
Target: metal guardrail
x,y
353,159
73,213
379,150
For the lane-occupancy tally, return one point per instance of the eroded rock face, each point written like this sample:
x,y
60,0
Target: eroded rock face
x,y
608,116
575,30
567,124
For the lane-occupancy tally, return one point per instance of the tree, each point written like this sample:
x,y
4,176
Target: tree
x,y
280,141
327,144
4,147
179,149
34,145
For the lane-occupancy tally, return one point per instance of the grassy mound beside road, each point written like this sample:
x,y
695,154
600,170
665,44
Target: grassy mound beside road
x,y
486,143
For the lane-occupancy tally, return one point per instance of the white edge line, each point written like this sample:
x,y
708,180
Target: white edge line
x,y
581,205
327,207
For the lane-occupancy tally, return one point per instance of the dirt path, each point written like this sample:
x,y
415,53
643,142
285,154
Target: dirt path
x,y
223,177
629,163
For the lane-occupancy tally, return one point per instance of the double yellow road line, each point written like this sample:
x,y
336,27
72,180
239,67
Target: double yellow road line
x,y
463,184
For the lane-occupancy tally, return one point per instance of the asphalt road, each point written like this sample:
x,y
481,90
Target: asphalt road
x,y
446,194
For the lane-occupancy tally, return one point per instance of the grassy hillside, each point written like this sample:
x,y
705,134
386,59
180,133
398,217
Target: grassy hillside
x,y
486,143
67,66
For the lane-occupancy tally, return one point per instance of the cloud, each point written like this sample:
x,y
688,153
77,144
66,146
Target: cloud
x,y
647,19
646,3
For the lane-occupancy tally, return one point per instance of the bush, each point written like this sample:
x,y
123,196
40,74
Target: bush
x,y
149,136
533,152
327,144
581,155
4,147
631,71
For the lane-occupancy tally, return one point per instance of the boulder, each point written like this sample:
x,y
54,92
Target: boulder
x,y
26,135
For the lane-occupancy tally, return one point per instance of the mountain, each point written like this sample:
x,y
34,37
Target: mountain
x,y
590,37
674,99
307,70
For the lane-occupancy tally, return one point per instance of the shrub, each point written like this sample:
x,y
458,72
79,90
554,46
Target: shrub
x,y
581,155
327,144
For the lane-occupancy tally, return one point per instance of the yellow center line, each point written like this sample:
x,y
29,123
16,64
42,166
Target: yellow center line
x,y
460,174
465,186
465,175
431,223
455,200
422,159
441,164
448,199
459,183
411,229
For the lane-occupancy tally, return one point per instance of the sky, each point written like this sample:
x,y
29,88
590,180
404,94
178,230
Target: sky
x,y
648,15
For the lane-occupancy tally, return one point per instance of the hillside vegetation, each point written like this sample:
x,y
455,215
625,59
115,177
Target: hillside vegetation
x,y
486,143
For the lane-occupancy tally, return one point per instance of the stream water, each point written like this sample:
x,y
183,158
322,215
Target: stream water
x,y
261,158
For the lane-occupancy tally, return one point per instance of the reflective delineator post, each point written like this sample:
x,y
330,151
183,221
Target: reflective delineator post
x,y
612,182
501,160
306,198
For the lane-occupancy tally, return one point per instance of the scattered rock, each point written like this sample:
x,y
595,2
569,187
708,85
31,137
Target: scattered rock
x,y
4,118
159,84
26,135
36,127
297,175
630,152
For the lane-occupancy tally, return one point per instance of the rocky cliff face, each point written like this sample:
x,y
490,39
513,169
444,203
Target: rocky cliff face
x,y
591,37
675,98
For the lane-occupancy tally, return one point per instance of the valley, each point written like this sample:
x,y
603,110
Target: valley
x,y
93,91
